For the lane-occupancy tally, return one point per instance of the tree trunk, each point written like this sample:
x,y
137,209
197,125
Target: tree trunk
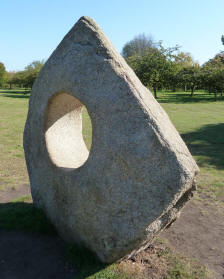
x,y
221,93
155,93
215,93
192,91
185,88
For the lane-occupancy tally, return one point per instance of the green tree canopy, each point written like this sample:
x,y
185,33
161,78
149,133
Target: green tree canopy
x,y
184,59
2,74
138,46
9,79
152,68
213,78
26,77
150,60
19,78
190,76
159,67
213,73
216,61
31,72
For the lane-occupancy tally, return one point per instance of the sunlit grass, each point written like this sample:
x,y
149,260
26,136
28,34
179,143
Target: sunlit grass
x,y
13,111
201,125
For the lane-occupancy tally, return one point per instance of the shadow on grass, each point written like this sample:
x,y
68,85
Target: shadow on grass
x,y
15,91
18,96
208,144
21,219
23,216
21,94
186,98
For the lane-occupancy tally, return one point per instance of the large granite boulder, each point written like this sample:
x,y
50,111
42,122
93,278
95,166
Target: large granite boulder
x,y
138,173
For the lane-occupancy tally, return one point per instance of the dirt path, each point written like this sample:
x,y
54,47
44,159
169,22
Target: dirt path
x,y
199,233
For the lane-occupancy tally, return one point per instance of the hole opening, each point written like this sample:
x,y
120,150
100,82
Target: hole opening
x,y
64,131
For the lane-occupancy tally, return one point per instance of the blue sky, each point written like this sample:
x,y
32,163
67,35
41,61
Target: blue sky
x,y
31,30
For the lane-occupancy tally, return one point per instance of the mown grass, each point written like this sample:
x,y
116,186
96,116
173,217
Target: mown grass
x,y
13,111
198,119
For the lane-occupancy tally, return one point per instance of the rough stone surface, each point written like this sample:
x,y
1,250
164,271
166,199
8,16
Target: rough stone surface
x,y
139,172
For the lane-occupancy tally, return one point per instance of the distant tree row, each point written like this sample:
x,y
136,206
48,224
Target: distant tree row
x,y
23,79
158,67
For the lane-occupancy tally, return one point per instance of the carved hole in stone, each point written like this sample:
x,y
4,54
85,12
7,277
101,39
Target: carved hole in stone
x,y
63,131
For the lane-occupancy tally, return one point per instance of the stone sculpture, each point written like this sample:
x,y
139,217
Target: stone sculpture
x,y
138,173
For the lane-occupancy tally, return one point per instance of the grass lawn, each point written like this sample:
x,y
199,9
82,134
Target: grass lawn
x,y
199,121
13,111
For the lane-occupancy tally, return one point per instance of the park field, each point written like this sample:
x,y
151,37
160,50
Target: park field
x,y
199,120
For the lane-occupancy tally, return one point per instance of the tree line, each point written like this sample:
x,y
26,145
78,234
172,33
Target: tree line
x,y
156,66
22,79
169,68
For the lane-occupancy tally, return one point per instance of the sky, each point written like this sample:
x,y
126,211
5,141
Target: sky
x,y
31,30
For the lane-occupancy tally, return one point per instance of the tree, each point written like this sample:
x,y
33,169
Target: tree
x,y
9,79
2,74
190,76
152,68
213,74
26,77
213,78
31,72
173,77
19,78
138,46
222,39
216,61
159,67
150,60
184,59
181,60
